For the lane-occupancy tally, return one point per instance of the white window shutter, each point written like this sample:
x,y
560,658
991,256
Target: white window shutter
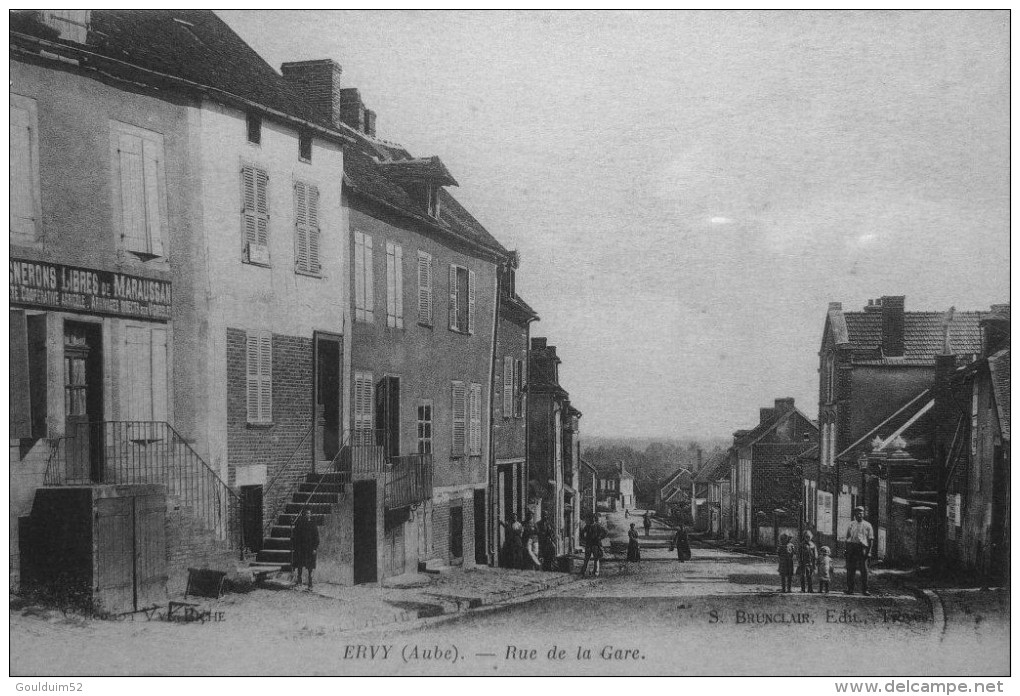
x,y
132,192
159,378
471,302
265,377
22,170
391,280
262,205
249,216
476,419
301,241
459,419
453,297
314,262
154,207
398,304
424,287
508,386
369,280
252,377
359,274
139,374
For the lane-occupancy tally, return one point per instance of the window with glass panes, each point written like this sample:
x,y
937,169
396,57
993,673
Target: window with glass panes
x,y
425,426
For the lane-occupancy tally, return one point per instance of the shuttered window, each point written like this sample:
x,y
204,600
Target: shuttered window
x,y
306,228
255,214
459,409
424,288
142,189
518,388
19,377
364,408
462,299
145,383
475,420
364,298
260,377
24,170
508,386
394,285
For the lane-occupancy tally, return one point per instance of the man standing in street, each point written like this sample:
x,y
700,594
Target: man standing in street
x,y
647,522
859,537
591,538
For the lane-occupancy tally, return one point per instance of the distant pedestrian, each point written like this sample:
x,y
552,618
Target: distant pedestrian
x,y
859,536
824,570
786,553
591,538
304,545
681,543
633,547
626,513
807,562
529,534
647,522
546,544
513,547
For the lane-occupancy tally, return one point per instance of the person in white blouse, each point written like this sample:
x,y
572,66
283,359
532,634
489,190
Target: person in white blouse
x,y
859,538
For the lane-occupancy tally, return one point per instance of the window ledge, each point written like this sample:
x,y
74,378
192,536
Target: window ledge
x,y
256,263
308,274
426,325
259,425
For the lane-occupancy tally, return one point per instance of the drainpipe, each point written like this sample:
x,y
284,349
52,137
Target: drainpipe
x,y
491,533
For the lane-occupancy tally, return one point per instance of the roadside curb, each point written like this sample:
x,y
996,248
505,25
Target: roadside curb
x,y
935,607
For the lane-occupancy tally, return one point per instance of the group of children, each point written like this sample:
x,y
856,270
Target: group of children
x,y
809,563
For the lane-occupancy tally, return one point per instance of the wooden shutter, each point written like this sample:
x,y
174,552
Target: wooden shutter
x,y
158,380
476,418
138,366
364,400
132,192
518,388
249,216
394,285
301,241
453,297
20,382
22,170
152,165
359,274
424,288
508,386
265,377
471,302
252,376
262,205
459,407
314,261
369,281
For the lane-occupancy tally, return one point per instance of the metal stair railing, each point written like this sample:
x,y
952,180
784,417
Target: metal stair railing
x,y
282,497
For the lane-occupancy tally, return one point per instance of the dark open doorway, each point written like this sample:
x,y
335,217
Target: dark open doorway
x,y
481,547
328,402
365,551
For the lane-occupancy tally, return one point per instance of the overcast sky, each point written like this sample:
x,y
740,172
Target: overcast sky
x,y
689,191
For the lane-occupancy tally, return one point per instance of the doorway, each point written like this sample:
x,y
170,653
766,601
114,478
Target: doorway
x,y
456,535
481,550
365,556
83,401
328,389
251,517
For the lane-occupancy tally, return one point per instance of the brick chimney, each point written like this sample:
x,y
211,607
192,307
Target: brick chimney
x,y
892,325
538,343
784,405
995,329
765,414
318,83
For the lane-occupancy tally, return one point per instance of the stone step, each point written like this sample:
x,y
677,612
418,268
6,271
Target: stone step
x,y
287,519
276,543
274,556
314,508
331,477
334,488
319,498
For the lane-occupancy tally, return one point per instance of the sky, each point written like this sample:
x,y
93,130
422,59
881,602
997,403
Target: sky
x,y
688,191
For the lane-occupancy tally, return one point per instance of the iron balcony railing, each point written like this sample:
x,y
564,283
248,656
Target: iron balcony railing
x,y
144,452
365,453
408,481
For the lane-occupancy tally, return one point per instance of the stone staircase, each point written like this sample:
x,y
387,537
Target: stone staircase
x,y
318,492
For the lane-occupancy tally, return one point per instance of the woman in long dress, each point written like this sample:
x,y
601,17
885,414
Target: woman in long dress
x,y
633,546
681,543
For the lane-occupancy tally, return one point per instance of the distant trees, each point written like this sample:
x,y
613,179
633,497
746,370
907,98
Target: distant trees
x,y
648,466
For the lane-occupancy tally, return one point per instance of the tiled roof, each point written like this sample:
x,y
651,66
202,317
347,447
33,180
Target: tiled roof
x,y
191,45
421,167
758,432
923,335
714,467
998,364
364,175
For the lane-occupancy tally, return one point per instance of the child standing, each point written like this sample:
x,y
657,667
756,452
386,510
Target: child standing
x,y
786,554
824,570
807,558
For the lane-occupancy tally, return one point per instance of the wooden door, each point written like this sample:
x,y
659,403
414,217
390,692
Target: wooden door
x,y
365,546
328,390
83,403
251,517
150,575
481,550
114,555
456,533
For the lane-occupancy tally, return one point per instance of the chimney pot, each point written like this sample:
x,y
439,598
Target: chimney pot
x,y
835,306
892,324
538,343
318,83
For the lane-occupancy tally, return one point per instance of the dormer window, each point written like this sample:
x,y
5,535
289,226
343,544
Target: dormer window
x,y
432,202
73,25
254,128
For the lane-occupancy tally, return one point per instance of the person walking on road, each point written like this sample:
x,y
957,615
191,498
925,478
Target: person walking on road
x,y
513,552
824,570
647,522
591,538
786,552
304,544
546,544
807,561
681,543
633,547
859,538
